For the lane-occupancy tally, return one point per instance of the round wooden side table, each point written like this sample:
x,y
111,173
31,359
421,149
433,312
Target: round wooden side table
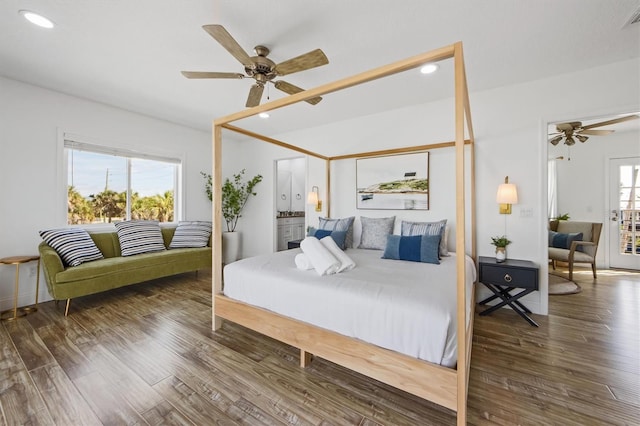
x,y
12,314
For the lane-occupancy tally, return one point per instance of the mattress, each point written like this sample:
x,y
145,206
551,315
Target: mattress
x,y
408,307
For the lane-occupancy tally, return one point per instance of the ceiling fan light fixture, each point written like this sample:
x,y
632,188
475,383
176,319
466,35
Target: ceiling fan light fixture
x,y
36,19
429,68
569,141
582,138
554,141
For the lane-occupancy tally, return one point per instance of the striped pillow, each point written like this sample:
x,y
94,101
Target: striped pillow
x,y
191,234
73,245
427,228
139,236
345,224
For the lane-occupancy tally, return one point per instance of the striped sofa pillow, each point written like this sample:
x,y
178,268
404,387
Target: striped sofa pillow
x,y
139,236
73,245
191,234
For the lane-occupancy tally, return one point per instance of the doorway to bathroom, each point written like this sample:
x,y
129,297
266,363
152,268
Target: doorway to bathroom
x,y
290,201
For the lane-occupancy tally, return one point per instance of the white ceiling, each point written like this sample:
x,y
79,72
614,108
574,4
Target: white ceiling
x,y
130,53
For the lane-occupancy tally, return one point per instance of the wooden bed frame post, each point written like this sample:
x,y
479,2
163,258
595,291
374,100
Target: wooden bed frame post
x,y
216,242
460,237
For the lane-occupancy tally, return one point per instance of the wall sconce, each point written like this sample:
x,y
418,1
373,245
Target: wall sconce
x,y
507,195
314,199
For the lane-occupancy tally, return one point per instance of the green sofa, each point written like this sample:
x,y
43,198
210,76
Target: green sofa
x,y
66,283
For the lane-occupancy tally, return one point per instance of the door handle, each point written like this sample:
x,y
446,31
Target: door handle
x,y
614,215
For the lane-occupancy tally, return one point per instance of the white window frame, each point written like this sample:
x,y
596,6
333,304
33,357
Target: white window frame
x,y
67,140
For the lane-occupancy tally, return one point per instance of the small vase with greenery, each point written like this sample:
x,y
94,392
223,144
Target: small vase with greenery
x,y
235,194
501,244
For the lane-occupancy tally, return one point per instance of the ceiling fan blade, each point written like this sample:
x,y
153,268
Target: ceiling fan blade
x,y
595,132
201,74
292,90
224,38
255,94
614,121
309,60
554,141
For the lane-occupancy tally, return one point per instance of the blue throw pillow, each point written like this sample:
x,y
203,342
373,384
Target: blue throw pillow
x,y
560,240
338,236
417,248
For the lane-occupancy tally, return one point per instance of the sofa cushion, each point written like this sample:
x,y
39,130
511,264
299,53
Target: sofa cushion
x,y
73,245
563,255
107,243
191,234
574,227
139,236
131,266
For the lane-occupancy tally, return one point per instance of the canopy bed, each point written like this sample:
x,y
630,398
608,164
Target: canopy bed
x,y
437,383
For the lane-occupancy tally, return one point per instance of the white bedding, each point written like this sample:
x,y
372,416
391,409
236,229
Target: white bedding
x,y
408,307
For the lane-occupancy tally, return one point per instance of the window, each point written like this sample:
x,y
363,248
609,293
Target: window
x,y
106,185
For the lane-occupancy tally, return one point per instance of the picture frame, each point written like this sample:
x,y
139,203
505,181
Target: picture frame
x,y
393,182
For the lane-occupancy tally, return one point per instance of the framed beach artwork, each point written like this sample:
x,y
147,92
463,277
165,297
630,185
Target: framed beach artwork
x,y
394,182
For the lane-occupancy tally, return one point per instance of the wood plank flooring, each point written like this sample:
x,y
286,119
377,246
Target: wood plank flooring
x,y
146,354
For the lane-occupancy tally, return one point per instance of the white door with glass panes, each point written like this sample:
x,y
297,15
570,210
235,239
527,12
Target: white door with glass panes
x,y
624,213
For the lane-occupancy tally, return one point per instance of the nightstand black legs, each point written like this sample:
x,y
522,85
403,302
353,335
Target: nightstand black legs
x,y
508,299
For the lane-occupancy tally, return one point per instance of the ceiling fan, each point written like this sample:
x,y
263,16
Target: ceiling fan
x,y
576,130
262,69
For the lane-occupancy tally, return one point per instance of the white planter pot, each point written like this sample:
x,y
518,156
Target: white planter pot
x,y
501,254
230,247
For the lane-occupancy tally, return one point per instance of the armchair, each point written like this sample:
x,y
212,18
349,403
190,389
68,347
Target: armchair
x,y
576,251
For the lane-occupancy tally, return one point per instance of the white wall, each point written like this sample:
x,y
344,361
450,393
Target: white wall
x,y
510,126
30,119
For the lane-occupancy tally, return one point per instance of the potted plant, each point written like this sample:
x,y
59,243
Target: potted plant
x,y
235,194
501,244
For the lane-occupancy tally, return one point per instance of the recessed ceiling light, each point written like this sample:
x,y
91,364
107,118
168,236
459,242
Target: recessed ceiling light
x,y
263,115
36,19
429,68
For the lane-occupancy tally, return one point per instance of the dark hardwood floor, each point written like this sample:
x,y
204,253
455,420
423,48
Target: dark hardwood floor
x,y
146,354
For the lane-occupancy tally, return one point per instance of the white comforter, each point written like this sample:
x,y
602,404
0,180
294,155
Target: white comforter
x,y
408,307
